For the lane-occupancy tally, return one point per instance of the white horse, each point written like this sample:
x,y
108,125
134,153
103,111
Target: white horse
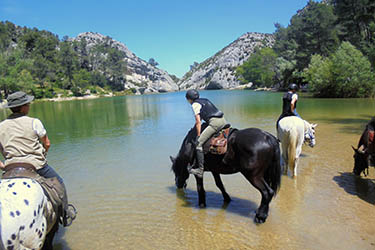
x,y
292,133
27,218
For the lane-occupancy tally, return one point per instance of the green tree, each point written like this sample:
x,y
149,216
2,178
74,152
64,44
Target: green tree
x,y
259,68
311,31
68,61
346,73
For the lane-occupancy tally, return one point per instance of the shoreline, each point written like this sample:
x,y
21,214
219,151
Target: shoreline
x,y
63,99
94,96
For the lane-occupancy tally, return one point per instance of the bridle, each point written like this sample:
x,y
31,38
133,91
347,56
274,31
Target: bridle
x,y
310,136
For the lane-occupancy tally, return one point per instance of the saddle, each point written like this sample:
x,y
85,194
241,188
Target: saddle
x,y
218,144
52,188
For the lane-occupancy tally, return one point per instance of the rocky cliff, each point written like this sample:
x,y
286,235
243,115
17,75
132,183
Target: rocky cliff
x,y
138,75
218,71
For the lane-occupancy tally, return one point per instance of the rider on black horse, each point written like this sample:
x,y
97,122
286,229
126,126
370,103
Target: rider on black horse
x,y
290,100
204,110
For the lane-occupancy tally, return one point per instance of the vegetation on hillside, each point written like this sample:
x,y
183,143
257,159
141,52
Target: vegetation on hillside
x,y
329,45
41,64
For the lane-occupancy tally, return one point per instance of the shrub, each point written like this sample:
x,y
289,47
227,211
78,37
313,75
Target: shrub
x,y
346,73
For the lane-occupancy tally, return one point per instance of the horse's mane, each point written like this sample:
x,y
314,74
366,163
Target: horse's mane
x,y
371,124
189,138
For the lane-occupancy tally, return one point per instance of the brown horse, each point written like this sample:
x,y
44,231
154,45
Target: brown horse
x,y
364,154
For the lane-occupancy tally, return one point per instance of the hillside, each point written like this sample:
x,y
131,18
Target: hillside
x,y
42,64
218,71
138,74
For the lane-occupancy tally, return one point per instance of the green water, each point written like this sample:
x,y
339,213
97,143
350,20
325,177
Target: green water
x,y
113,154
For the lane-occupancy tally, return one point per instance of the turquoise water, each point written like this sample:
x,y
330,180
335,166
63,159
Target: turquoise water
x,y
113,154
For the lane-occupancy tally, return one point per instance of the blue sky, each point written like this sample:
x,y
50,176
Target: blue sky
x,y
174,32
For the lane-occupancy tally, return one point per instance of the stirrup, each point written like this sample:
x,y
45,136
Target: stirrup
x,y
197,172
70,215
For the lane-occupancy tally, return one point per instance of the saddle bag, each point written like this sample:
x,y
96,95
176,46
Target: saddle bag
x,y
219,142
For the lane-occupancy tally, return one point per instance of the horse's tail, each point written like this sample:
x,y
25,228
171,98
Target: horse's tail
x,y
292,151
274,171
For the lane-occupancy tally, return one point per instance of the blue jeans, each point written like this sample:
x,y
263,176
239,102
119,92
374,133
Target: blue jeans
x,y
49,172
295,112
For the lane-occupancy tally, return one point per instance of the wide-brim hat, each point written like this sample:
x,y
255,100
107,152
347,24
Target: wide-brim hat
x,y
18,99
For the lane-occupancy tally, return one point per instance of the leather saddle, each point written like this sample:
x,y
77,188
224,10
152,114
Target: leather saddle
x,y
218,144
52,188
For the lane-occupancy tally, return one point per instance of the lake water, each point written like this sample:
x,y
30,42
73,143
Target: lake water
x,y
113,154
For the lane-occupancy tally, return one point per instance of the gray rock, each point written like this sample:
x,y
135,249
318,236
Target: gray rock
x,y
140,75
218,71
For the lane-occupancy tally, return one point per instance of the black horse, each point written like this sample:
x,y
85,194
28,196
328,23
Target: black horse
x,y
365,151
253,152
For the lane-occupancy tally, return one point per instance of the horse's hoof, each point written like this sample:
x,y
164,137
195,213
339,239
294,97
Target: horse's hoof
x,y
202,205
259,219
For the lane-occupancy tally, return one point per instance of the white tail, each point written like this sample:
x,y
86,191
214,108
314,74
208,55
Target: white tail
x,y
292,153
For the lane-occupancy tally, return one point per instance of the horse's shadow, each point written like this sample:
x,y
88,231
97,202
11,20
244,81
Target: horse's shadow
x,y
355,185
215,200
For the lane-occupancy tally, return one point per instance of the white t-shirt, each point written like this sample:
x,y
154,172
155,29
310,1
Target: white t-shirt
x,y
196,108
39,128
295,97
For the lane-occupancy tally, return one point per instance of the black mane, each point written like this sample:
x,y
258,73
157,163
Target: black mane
x,y
188,142
371,124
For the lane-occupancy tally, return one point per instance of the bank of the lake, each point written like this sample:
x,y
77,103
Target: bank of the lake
x,y
114,156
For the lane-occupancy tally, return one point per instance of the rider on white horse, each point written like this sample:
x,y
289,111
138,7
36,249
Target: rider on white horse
x,y
24,140
290,100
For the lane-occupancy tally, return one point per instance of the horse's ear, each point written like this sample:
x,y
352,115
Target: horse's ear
x,y
314,125
173,160
355,150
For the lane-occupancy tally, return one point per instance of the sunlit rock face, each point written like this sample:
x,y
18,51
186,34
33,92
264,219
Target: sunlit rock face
x,y
138,75
218,71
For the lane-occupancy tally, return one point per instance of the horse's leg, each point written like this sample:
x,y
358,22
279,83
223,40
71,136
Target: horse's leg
x,y
298,153
220,185
48,243
201,192
284,148
267,193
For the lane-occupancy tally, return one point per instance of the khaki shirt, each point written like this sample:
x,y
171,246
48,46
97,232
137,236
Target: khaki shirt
x,y
19,140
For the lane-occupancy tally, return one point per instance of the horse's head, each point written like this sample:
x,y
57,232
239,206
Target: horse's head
x,y
185,157
310,133
180,170
360,160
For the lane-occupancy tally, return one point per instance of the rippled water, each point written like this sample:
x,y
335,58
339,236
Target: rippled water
x,y
114,156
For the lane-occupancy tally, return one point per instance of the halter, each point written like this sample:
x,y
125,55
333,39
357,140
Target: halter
x,y
310,135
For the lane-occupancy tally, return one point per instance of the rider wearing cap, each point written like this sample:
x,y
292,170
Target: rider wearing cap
x,y
205,110
24,140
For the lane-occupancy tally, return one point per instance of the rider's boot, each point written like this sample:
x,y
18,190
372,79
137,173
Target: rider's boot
x,y
69,211
200,162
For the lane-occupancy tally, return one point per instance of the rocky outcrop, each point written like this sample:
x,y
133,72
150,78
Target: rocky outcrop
x,y
218,71
139,76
